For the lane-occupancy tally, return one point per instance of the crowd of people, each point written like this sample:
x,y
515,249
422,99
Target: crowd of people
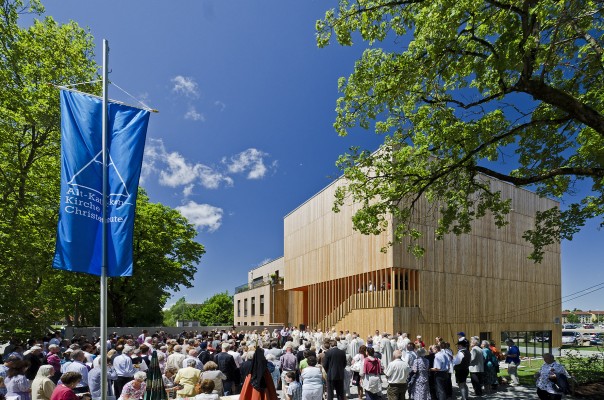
x,y
303,364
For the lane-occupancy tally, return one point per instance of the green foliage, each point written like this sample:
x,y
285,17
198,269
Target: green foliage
x,y
217,310
30,59
572,318
165,257
468,84
585,369
32,294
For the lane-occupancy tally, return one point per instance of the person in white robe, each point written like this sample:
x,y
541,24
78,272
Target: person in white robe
x,y
387,350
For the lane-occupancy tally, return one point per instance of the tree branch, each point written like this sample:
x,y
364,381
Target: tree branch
x,y
522,181
467,105
504,6
569,104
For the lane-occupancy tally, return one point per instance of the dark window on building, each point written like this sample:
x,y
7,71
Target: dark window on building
x,y
253,306
530,343
245,308
261,305
485,336
239,308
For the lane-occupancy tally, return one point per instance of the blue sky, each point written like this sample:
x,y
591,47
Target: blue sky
x,y
244,132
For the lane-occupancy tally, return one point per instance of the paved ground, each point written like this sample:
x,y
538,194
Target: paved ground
x,y
504,392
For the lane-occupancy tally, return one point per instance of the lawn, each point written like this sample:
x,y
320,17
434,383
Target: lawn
x,y
526,371
583,369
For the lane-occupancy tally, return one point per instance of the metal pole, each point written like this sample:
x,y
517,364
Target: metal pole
x,y
103,307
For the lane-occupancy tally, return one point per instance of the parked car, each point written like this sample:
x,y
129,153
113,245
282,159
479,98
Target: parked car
x,y
597,339
588,326
568,326
571,338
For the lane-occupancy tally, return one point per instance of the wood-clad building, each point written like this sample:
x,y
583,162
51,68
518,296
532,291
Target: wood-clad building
x,y
481,283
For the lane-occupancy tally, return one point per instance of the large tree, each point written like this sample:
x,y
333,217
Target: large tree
x,y
463,89
217,310
31,59
32,294
165,258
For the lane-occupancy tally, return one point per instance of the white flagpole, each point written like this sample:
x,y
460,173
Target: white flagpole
x,y
103,306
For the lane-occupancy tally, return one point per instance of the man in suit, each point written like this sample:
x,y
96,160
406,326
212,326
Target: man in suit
x,y
334,363
226,363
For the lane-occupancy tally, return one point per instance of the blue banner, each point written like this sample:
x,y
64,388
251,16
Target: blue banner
x,y
79,234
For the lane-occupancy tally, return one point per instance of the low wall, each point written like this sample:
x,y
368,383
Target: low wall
x,y
95,331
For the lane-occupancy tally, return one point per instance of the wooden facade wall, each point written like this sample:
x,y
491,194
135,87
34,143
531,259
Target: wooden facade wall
x,y
479,282
320,245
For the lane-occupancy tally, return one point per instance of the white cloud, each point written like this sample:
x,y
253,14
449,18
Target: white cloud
x,y
188,190
220,104
174,170
185,85
194,115
250,160
179,171
211,178
202,215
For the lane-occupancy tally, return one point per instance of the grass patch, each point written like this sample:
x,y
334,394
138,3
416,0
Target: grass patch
x,y
583,369
526,371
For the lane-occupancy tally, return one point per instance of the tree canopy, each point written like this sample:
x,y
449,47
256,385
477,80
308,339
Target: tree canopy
x,y
32,294
217,310
30,59
463,89
572,318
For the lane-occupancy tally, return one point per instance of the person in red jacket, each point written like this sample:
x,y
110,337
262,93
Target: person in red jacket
x,y
64,391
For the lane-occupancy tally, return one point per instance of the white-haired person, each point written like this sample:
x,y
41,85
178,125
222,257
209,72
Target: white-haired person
x,y
551,372
135,389
42,385
274,371
187,378
176,358
124,369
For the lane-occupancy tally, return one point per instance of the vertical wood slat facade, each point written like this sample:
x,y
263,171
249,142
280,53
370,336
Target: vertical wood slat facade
x,y
482,280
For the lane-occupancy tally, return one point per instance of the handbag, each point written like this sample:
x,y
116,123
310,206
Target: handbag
x,y
198,387
356,367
